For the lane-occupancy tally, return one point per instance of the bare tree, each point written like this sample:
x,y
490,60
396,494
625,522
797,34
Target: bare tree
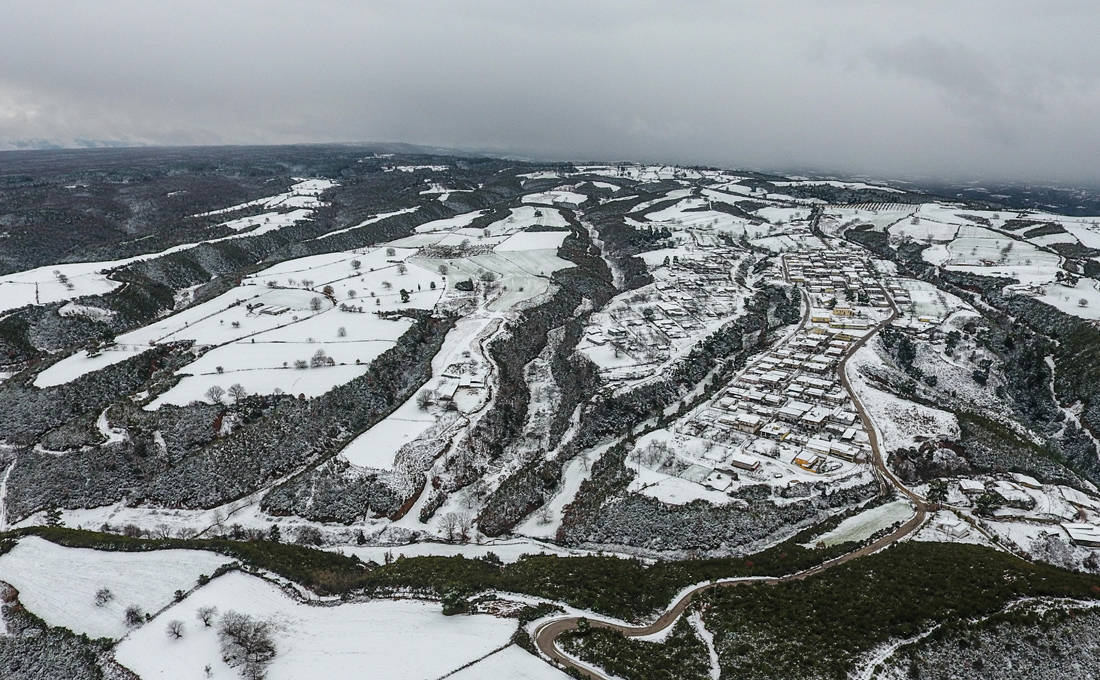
x,y
134,616
543,516
390,252
449,523
464,525
402,269
215,394
246,643
175,629
206,615
315,304
356,264
237,392
423,399
443,269
103,596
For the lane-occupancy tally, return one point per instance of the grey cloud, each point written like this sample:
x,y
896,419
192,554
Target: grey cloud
x,y
985,88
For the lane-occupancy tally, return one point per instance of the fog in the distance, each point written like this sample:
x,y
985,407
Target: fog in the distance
x,y
996,89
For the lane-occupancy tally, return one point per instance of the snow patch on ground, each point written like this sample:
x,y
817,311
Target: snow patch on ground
x,y
59,584
898,421
865,524
510,663
391,640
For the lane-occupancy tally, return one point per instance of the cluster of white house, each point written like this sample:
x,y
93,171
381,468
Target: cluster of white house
x,y
903,298
690,296
792,395
458,378
831,275
1061,504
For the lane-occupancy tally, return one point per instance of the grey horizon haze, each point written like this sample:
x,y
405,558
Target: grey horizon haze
x,y
982,89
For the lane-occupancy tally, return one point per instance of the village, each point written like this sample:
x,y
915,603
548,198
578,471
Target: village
x,y
790,401
785,418
692,295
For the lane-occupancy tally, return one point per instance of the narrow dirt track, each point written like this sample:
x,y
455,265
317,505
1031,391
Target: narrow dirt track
x,y
546,635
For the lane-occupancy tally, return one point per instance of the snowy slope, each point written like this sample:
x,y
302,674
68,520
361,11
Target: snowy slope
x,y
386,640
59,584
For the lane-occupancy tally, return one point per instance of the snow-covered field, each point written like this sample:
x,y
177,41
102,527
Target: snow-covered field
x,y
59,584
511,663
262,328
925,231
369,221
450,223
1081,300
692,213
984,252
867,523
303,194
532,240
59,282
378,446
527,216
266,222
555,197
389,640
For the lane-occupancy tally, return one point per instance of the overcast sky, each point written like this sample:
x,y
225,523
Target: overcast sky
x,y
997,88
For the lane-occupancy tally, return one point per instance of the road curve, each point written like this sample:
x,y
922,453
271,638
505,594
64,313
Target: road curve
x,y
546,635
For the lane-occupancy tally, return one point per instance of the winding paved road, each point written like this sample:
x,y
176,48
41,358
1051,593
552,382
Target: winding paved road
x,y
546,635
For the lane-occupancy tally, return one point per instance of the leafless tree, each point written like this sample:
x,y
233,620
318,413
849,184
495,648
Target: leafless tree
x,y
215,394
246,643
175,629
237,392
134,616
315,304
206,615
464,525
103,596
449,523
